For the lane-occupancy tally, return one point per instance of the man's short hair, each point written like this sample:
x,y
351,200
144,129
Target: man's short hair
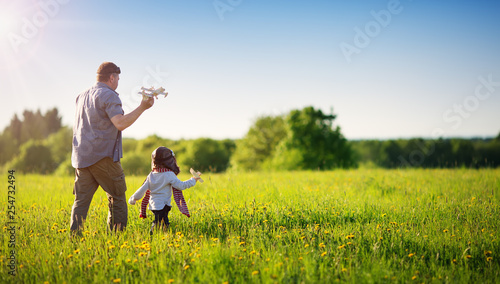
x,y
105,70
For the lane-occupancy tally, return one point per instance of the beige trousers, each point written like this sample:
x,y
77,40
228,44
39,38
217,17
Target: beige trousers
x,y
109,175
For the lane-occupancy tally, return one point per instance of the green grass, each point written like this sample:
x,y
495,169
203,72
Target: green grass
x,y
356,226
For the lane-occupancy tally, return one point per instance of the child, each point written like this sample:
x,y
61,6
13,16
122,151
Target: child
x,y
160,184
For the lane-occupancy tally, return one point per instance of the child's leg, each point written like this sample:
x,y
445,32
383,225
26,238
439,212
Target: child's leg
x,y
161,218
164,222
156,221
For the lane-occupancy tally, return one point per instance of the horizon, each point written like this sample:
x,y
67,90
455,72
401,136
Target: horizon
x,y
387,68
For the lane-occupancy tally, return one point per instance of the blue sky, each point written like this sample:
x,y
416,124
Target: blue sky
x,y
389,69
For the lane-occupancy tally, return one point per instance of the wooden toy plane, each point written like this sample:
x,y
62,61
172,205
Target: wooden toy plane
x,y
152,92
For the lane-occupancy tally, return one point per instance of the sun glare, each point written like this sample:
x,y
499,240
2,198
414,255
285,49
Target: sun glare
x,y
7,24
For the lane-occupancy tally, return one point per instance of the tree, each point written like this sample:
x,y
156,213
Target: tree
x,y
34,157
60,144
34,125
205,154
14,129
312,143
259,143
8,147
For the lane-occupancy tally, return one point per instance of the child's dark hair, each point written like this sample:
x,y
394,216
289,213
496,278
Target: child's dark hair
x,y
162,157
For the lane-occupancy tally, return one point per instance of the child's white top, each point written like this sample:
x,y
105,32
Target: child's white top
x,y
160,185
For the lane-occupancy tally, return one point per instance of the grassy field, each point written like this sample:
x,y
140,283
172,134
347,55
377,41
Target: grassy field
x,y
356,226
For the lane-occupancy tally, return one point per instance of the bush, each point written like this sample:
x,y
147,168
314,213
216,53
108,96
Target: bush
x,y
34,157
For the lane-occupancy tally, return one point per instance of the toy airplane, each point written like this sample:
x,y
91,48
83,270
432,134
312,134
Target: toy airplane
x,y
196,174
152,92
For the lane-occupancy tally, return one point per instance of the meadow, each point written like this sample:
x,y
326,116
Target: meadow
x,y
354,226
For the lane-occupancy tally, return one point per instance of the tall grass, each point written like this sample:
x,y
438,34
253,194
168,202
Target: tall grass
x,y
357,226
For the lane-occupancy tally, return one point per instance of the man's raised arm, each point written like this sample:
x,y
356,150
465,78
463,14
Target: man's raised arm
x,y
121,121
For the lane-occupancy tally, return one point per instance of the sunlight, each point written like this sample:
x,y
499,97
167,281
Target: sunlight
x,y
7,23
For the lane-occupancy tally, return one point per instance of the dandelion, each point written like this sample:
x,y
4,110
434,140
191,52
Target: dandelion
x,y
252,252
76,251
445,231
344,269
117,280
321,245
323,254
111,247
349,237
306,245
255,272
170,281
97,262
414,277
468,256
489,258
186,267
487,252
341,247
143,253
111,259
242,243
454,261
70,256
411,255
60,266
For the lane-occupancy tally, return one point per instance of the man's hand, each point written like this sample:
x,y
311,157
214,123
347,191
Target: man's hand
x,y
145,104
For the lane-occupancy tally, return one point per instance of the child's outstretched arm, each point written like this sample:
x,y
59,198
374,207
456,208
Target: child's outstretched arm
x,y
139,193
181,185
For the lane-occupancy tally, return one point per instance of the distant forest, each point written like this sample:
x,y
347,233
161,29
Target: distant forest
x,y
304,139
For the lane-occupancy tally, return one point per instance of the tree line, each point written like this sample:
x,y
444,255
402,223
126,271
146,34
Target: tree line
x,y
430,153
303,139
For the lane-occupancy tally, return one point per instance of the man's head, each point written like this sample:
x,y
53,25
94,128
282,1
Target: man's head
x,y
108,73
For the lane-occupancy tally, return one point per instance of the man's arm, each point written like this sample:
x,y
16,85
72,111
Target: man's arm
x,y
121,121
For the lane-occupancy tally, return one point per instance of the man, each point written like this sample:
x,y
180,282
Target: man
x,y
97,148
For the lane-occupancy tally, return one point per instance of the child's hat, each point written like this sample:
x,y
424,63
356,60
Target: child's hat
x,y
161,154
